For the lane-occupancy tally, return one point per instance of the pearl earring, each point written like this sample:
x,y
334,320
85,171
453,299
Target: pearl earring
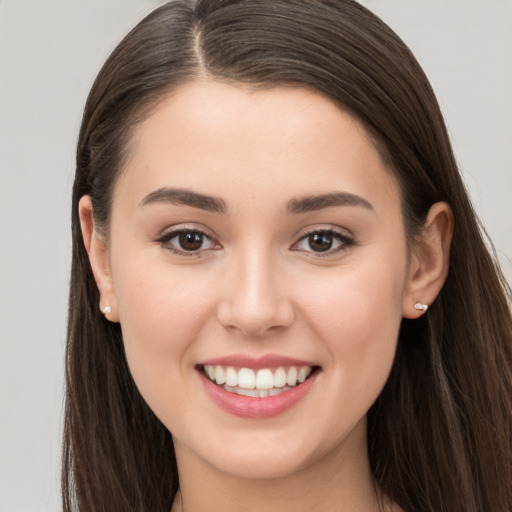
x,y
421,307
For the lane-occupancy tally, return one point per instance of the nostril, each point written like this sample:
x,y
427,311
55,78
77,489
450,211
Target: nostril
x,y
255,321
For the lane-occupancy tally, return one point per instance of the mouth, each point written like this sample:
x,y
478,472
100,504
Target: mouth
x,y
257,387
257,383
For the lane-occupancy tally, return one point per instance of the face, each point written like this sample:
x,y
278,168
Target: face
x,y
257,237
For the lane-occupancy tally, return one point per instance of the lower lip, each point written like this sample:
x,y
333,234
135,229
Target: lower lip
x,y
250,407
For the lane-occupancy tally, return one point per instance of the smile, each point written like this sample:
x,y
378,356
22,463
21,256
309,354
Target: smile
x,y
260,383
257,388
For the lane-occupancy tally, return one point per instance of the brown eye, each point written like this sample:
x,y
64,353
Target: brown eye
x,y
326,241
187,242
320,242
191,241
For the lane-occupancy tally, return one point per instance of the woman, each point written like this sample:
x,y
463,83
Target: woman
x,y
280,297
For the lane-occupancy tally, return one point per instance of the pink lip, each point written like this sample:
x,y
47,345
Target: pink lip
x,y
249,407
256,363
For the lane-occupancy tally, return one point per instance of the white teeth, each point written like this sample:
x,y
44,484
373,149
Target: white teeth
x,y
263,382
303,374
231,376
261,393
248,392
246,378
220,375
280,378
291,378
264,379
276,391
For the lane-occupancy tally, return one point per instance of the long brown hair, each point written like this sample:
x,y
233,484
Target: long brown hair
x,y
440,433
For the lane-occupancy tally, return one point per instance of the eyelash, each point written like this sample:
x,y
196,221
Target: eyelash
x,y
166,238
345,241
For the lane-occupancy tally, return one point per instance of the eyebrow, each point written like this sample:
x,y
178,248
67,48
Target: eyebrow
x,y
320,201
185,197
216,205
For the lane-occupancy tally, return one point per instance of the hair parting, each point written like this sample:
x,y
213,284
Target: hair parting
x,y
440,433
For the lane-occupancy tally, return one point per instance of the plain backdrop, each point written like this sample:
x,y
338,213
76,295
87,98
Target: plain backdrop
x,y
50,51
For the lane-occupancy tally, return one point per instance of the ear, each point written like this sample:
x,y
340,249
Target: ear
x,y
97,251
430,259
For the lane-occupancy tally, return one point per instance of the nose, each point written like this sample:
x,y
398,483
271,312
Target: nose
x,y
254,300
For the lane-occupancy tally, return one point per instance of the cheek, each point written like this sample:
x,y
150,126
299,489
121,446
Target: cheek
x,y
364,300
161,313
157,298
357,313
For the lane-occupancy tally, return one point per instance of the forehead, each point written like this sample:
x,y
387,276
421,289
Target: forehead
x,y
212,136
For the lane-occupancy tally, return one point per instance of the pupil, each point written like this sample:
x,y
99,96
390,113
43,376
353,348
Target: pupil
x,y
191,241
320,242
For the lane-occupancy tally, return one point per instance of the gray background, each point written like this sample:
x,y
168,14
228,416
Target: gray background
x,y
50,51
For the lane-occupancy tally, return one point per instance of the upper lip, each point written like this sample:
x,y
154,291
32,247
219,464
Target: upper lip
x,y
256,363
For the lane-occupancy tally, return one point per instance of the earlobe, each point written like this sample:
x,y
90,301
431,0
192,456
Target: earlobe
x,y
97,251
430,261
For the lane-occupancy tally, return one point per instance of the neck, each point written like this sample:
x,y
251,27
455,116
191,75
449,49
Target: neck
x,y
339,481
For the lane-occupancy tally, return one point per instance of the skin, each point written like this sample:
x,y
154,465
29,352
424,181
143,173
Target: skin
x,y
259,287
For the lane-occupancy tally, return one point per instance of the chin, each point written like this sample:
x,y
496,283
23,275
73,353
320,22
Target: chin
x,y
262,465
